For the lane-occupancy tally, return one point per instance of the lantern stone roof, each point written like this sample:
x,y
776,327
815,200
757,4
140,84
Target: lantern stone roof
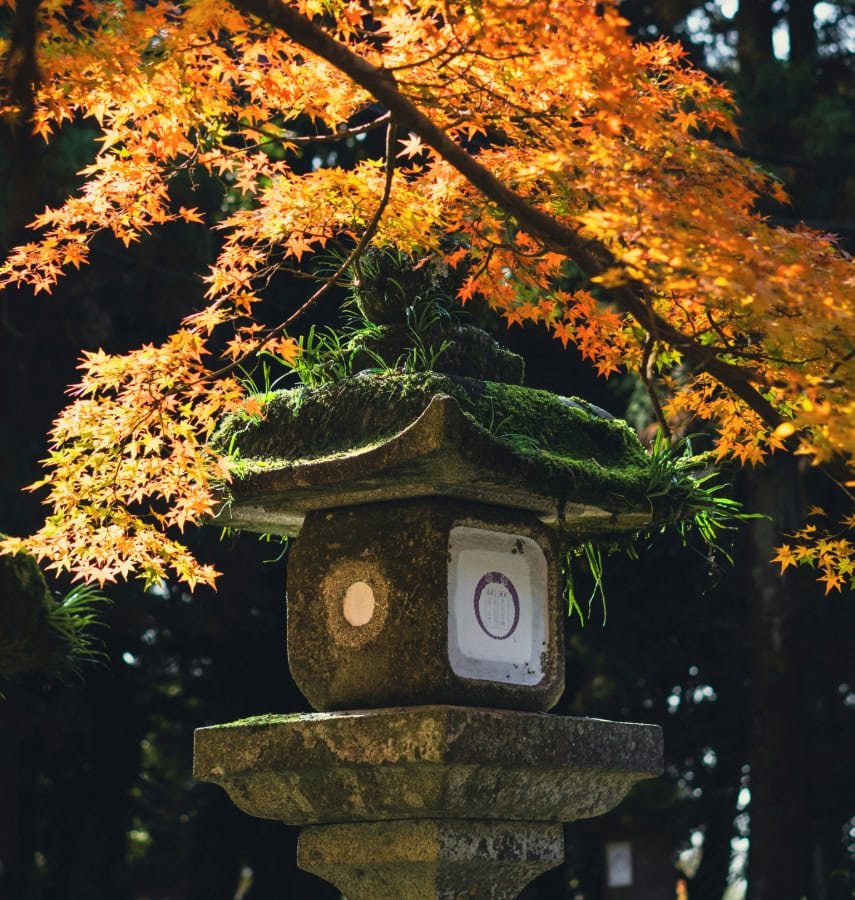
x,y
389,436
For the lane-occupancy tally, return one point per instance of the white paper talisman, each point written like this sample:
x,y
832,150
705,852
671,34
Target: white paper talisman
x,y
497,623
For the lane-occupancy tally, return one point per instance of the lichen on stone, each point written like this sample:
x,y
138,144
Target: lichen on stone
x,y
260,721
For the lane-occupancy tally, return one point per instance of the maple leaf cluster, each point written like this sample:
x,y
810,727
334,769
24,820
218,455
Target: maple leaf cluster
x,y
572,175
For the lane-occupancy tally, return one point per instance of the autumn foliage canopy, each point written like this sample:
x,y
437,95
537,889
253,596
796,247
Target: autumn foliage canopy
x,y
573,177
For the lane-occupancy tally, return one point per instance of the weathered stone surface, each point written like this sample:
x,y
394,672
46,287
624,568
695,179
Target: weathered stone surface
x,y
397,554
426,762
31,639
390,437
431,859
469,351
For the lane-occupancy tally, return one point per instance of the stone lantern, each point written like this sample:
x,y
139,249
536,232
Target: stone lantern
x,y
425,624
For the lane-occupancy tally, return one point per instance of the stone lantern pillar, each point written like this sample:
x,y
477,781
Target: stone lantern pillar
x,y
425,624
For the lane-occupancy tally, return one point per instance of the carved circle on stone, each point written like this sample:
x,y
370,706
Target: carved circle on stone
x,y
356,596
497,606
358,604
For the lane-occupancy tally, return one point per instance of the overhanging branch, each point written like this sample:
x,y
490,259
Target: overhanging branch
x,y
554,234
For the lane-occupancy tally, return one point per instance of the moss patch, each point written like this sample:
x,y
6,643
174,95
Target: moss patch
x,y
312,423
568,447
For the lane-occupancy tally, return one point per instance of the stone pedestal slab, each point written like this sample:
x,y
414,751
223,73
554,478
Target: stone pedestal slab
x,y
426,762
431,859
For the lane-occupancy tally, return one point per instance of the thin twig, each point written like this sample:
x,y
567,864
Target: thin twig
x,y
355,254
338,135
361,244
646,371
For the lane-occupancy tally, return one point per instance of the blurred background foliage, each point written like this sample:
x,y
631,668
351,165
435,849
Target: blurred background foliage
x,y
751,675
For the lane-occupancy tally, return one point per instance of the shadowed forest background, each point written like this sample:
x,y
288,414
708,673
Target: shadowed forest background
x,y
751,675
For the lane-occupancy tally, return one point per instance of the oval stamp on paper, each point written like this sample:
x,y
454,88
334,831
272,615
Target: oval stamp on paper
x,y
497,605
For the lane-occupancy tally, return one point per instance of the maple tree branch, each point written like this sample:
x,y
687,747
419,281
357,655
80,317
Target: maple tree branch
x,y
630,298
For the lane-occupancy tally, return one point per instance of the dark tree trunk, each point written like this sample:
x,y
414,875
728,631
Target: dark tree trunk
x,y
755,23
779,856
800,22
23,150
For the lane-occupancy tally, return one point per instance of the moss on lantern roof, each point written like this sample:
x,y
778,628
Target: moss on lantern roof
x,y
567,446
